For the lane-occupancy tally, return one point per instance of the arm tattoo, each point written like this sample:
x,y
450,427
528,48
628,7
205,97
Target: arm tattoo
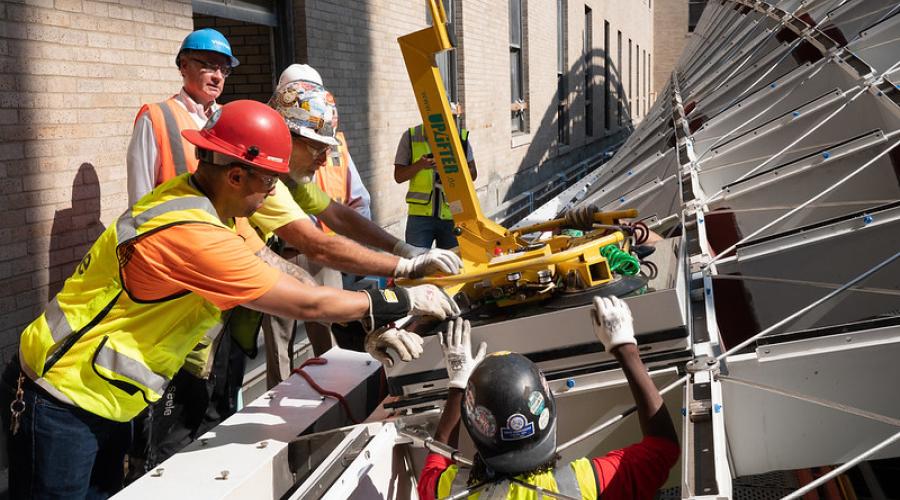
x,y
273,259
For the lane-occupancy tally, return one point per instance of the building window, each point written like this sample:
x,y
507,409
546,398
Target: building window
x,y
630,94
588,72
620,87
695,10
562,90
446,61
646,85
637,79
607,89
518,105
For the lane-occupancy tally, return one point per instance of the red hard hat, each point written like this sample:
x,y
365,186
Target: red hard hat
x,y
248,131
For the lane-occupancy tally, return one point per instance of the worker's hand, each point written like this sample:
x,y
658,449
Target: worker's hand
x,y
407,344
424,162
404,249
456,342
429,300
432,261
581,217
613,325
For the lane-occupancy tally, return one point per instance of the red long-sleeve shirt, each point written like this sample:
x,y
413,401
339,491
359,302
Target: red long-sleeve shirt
x,y
635,472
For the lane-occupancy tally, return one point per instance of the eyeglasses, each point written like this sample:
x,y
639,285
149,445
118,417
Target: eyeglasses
x,y
209,67
315,148
267,180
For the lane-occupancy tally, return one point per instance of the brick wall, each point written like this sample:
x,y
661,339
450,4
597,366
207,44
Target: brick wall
x,y
252,45
671,26
73,73
353,45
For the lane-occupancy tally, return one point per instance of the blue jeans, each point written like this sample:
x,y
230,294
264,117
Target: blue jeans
x,y
422,231
61,451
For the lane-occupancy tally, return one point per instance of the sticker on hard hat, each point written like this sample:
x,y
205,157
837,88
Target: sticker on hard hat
x,y
517,427
544,419
536,402
483,421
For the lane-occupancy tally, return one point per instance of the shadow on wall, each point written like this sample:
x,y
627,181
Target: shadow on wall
x,y
75,227
545,142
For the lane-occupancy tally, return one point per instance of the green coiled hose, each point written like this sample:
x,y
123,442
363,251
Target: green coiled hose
x,y
620,261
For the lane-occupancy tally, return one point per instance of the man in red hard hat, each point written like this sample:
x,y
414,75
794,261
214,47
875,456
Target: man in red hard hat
x,y
157,278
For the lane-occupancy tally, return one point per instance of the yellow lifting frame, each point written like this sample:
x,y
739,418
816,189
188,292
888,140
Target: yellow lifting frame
x,y
478,235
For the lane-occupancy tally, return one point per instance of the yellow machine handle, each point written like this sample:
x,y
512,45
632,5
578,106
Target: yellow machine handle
x,y
478,235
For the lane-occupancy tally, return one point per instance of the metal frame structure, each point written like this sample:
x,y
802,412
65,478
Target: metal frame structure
x,y
770,162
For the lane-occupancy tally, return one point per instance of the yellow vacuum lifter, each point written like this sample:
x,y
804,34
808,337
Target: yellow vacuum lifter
x,y
500,266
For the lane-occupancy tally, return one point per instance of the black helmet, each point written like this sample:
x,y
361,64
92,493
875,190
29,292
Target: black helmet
x,y
510,413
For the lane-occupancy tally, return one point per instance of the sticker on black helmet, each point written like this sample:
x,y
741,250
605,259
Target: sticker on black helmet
x,y
536,402
544,419
483,421
470,397
517,427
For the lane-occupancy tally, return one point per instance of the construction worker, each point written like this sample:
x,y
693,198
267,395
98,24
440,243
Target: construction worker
x,y
429,220
511,416
205,391
150,286
339,177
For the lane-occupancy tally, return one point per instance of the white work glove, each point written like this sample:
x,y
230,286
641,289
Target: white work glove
x,y
613,325
456,343
432,261
404,249
407,344
429,300
581,217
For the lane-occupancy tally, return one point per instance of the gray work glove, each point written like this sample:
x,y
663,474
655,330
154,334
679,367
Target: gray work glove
x,y
456,343
407,344
430,262
581,217
613,325
429,300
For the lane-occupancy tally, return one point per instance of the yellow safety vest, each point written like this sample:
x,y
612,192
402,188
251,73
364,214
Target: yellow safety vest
x,y
94,346
575,479
420,196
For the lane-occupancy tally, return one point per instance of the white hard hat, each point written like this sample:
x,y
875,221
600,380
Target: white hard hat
x,y
300,72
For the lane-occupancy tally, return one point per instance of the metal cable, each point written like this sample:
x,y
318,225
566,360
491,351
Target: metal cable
x,y
720,357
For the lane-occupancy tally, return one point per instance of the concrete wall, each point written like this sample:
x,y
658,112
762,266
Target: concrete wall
x,y
670,23
73,74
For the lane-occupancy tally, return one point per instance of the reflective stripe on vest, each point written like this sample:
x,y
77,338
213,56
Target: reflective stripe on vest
x,y
576,479
421,186
98,348
334,178
176,154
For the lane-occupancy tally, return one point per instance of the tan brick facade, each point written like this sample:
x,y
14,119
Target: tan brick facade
x,y
73,73
353,44
670,24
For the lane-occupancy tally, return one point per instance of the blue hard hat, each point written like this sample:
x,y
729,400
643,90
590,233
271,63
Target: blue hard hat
x,y
210,40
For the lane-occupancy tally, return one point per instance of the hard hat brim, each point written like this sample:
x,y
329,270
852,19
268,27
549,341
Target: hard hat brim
x,y
324,139
196,138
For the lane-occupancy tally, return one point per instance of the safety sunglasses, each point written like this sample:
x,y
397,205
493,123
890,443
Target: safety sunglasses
x,y
267,180
209,67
